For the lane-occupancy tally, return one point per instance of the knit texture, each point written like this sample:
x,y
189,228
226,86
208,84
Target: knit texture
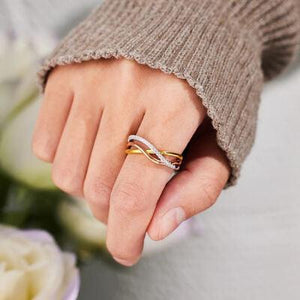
x,y
224,49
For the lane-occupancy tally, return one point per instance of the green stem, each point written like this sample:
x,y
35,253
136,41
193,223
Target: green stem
x,y
18,108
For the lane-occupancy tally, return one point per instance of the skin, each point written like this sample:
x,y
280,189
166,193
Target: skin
x,y
87,113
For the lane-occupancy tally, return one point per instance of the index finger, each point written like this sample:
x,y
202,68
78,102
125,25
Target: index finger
x,y
139,186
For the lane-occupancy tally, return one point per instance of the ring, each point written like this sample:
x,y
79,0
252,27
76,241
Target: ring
x,y
153,154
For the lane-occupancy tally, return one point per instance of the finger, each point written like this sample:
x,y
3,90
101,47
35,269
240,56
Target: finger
x,y
108,154
75,146
51,119
195,188
140,181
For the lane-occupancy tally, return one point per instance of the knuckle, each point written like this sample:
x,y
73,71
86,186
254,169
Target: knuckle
x,y
129,197
180,106
66,180
97,192
177,110
209,191
180,102
56,83
129,73
127,65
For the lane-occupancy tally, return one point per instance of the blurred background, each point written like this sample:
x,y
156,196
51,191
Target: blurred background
x,y
247,246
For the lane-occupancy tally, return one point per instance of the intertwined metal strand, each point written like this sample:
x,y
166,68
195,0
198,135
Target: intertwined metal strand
x,y
162,159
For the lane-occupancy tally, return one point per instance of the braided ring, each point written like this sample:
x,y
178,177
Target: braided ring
x,y
153,154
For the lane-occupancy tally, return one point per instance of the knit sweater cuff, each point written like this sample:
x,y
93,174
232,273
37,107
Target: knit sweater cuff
x,y
216,46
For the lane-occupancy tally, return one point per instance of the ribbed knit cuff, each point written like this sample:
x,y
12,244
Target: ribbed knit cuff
x,y
223,49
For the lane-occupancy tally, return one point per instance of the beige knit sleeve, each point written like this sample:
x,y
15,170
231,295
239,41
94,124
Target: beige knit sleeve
x,y
225,49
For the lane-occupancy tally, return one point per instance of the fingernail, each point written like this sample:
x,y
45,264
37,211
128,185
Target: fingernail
x,y
170,221
123,261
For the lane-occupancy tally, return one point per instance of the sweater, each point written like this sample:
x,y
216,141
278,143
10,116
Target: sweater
x,y
224,49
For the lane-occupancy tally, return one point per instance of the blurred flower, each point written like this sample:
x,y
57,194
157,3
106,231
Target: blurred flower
x,y
16,57
33,267
87,230
19,99
19,59
20,54
16,157
91,233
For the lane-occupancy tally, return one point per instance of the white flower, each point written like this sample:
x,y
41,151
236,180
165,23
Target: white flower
x,y
87,229
16,157
19,61
91,232
33,267
19,101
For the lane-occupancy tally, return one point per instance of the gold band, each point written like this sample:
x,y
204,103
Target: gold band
x,y
163,152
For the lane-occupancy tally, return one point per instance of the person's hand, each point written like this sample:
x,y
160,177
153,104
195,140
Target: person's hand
x,y
87,114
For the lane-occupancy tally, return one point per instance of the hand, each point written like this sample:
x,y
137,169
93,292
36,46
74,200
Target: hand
x,y
88,111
